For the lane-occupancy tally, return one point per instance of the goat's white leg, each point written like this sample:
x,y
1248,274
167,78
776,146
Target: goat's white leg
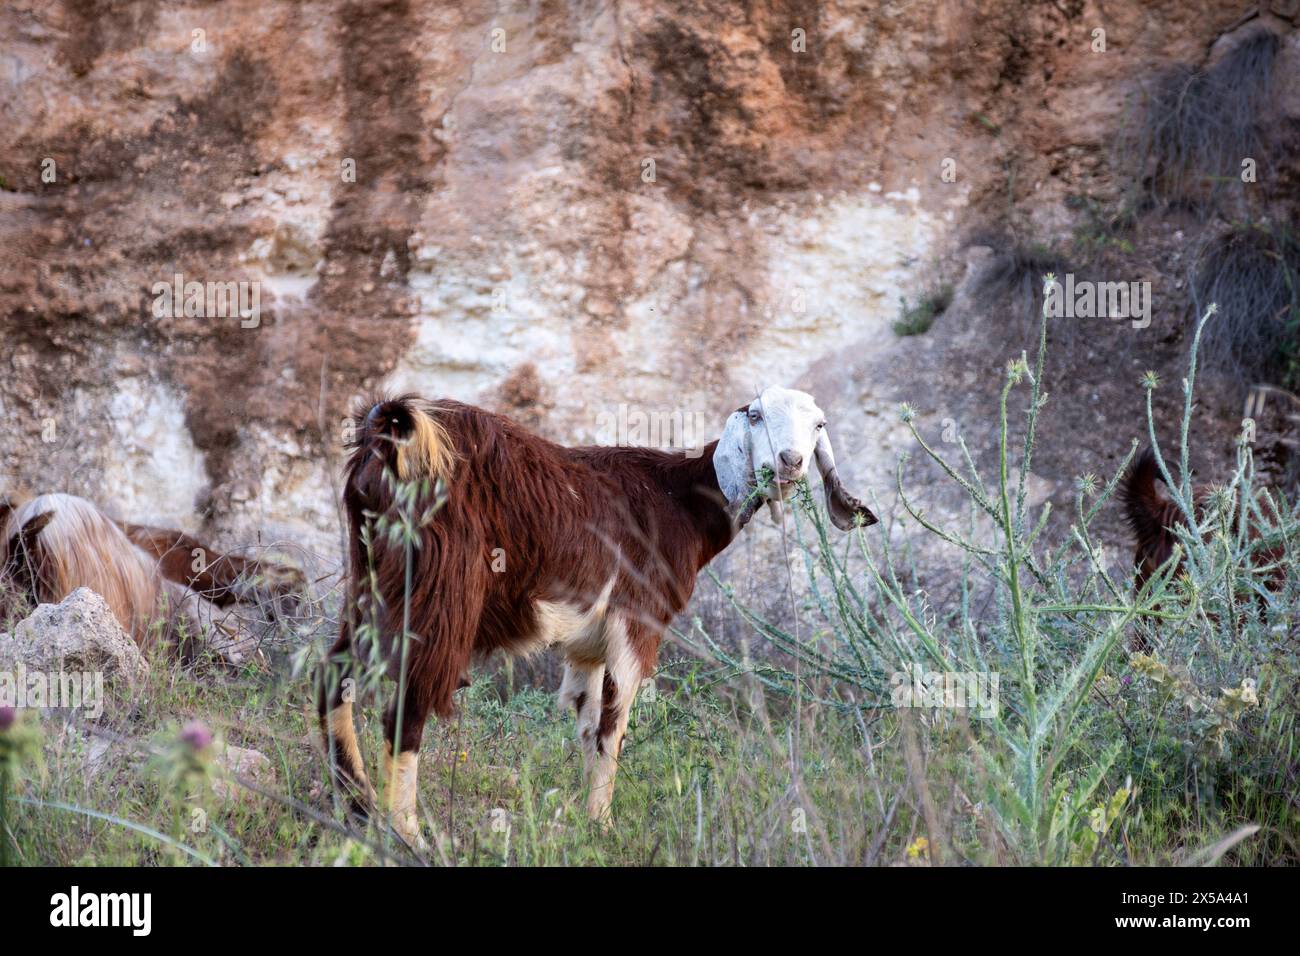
x,y
401,772
621,682
334,707
400,777
344,755
581,691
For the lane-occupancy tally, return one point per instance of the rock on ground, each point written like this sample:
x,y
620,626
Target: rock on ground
x,y
79,635
241,762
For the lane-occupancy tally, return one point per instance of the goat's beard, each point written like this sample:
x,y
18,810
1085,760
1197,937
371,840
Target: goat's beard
x,y
746,507
743,509
771,493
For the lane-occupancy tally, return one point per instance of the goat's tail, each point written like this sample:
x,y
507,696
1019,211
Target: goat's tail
x,y
407,435
1148,511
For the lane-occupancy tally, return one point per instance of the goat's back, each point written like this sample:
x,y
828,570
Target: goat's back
x,y
575,517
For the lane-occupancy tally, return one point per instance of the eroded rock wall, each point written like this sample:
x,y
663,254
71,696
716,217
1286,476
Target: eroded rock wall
x,y
549,208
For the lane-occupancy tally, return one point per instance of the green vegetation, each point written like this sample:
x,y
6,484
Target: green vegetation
x,y
1098,754
1195,126
1100,230
988,124
917,319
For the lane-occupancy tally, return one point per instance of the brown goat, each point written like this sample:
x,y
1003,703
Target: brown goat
x,y
590,550
219,578
1152,516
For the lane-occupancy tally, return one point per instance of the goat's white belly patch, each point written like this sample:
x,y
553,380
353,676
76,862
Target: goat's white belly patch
x,y
558,622
583,636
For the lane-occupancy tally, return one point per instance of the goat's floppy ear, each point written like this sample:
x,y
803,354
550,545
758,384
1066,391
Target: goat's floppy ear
x,y
733,463
20,551
843,507
24,541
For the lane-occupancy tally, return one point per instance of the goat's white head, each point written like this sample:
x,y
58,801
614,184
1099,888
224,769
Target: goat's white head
x,y
767,447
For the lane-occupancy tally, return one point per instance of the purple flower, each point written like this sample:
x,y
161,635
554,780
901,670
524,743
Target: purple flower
x,y
196,735
7,717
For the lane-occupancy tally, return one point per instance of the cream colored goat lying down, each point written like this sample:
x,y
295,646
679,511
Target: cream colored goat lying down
x,y
160,584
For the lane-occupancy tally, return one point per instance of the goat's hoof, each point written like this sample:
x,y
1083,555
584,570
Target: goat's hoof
x,y
359,811
407,826
360,799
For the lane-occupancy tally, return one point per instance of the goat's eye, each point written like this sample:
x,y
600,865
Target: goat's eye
x,y
821,425
755,417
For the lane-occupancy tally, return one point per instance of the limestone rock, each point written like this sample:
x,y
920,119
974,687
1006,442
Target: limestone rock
x,y
243,762
78,637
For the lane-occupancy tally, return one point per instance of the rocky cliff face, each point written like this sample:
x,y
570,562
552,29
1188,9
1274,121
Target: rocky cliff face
x,y
555,209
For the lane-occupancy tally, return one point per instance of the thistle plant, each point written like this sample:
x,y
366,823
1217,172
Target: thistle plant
x,y
1059,619
184,767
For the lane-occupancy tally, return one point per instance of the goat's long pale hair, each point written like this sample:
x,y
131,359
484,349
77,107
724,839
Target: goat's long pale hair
x,y
81,547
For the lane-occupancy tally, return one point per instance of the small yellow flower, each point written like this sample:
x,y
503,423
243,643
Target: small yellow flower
x,y
1245,694
1097,820
1146,664
920,849
464,756
1237,699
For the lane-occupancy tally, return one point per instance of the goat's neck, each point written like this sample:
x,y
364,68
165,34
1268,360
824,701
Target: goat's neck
x,y
692,483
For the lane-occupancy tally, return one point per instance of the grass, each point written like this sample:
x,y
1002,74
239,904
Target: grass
x,y
1195,126
1100,230
702,783
1010,284
1100,754
917,319
991,127
1252,271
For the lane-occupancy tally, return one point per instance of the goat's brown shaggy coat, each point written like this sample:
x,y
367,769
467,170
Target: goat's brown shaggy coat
x,y
566,520
1153,516
151,578
220,578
